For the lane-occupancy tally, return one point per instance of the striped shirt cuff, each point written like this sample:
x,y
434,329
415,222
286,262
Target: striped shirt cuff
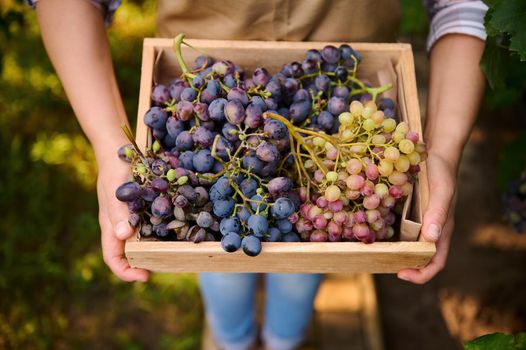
x,y
461,18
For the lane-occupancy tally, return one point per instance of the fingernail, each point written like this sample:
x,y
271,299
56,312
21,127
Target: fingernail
x,y
122,228
404,277
433,232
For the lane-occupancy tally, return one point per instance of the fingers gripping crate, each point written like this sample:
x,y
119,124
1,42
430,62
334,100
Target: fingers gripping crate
x,y
382,63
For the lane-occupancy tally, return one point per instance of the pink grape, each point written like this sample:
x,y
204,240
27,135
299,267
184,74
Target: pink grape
x,y
355,182
372,172
335,237
347,233
396,192
336,205
389,201
332,193
407,188
372,215
352,195
322,202
381,190
332,153
319,222
360,231
334,229
378,224
294,218
328,215
360,217
318,236
354,166
368,188
304,209
303,225
398,178
413,169
313,212
413,136
389,219
371,202
302,193
319,176
340,217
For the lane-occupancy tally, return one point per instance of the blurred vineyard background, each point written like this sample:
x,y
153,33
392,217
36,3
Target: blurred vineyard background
x,y
56,292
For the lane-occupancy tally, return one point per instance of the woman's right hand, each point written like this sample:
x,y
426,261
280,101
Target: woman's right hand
x,y
113,220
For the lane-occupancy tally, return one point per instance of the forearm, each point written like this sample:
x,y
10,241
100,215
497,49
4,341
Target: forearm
x,y
75,39
455,88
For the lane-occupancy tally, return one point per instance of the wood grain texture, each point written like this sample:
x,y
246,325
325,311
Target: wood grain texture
x,y
379,257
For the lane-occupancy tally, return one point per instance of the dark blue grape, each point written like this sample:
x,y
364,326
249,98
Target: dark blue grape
x,y
206,97
386,103
253,163
123,150
290,237
271,104
322,82
148,194
159,134
230,132
267,152
251,245
326,120
185,110
128,191
230,224
203,161
161,207
188,192
223,148
161,230
282,208
309,66
248,187
201,110
283,145
230,81
274,234
328,67
341,73
330,54
161,94
186,159
203,137
176,88
155,118
274,88
337,105
290,86
218,167
243,214
223,207
279,185
293,196
213,87
238,94
248,84
389,113
221,189
314,55
254,116
198,81
275,129
299,111
205,219
257,201
284,225
180,201
301,95
297,71
174,127
184,141
216,109
287,70
159,185
261,76
231,242
257,225
258,101
341,91
159,167
223,68
136,206
203,61
189,94
234,112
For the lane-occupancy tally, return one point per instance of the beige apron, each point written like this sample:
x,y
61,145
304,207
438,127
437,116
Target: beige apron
x,y
294,20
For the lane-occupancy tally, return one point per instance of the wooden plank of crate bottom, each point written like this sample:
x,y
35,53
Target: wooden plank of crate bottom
x,y
380,257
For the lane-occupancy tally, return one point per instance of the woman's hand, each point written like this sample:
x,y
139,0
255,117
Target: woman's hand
x,y
438,221
113,220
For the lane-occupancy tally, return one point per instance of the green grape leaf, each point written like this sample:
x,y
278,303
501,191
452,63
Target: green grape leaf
x,y
497,341
491,342
509,17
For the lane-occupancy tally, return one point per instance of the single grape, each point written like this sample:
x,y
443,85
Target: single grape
x,y
234,112
184,141
337,105
188,94
126,152
279,186
186,160
267,152
185,110
216,109
159,167
341,91
230,224
322,82
330,54
257,225
274,234
282,208
251,245
159,185
326,120
203,137
248,187
155,118
203,161
231,242
299,111
309,66
223,207
290,237
161,207
254,116
260,76
202,62
128,191
239,95
341,73
161,94
205,219
222,68
251,162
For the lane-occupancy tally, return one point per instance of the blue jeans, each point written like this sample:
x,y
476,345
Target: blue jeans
x,y
230,300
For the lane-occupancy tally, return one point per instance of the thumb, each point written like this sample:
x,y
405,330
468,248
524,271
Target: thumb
x,y
118,214
437,211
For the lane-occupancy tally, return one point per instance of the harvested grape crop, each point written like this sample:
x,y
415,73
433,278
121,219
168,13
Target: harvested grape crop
x,y
310,153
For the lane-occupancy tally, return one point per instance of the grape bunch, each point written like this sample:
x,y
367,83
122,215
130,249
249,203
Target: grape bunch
x,y
514,203
305,154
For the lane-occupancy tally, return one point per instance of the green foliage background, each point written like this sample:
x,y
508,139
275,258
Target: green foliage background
x,y
55,291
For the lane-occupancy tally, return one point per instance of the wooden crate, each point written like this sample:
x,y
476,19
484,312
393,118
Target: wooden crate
x,y
381,63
